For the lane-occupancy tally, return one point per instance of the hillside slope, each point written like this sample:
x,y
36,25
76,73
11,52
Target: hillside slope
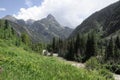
x,y
105,21
19,64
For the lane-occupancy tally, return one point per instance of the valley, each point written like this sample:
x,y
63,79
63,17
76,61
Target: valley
x,y
44,48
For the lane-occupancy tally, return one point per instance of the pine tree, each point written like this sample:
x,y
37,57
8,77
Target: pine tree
x,y
77,46
117,42
54,45
25,39
88,49
109,53
116,55
94,44
91,47
61,48
70,50
6,25
117,49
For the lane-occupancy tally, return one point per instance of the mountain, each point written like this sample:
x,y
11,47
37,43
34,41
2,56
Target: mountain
x,y
48,28
30,22
10,18
66,32
105,21
41,30
13,19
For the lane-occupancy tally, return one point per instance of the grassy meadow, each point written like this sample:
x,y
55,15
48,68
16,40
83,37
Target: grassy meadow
x,y
19,64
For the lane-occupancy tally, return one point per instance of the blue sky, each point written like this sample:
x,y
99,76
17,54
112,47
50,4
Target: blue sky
x,y
10,7
67,12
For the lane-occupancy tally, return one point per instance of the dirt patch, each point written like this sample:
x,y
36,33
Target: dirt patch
x,y
117,77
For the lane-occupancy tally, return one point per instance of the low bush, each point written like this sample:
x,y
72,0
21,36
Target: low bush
x,y
93,63
106,73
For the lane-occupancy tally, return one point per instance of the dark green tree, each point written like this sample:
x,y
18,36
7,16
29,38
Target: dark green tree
x,y
109,52
61,48
25,39
116,55
79,47
117,42
6,24
18,42
91,47
70,50
77,44
54,45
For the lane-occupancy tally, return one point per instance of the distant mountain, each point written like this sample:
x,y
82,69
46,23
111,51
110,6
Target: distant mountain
x,y
13,19
67,32
19,26
42,30
48,28
105,21
10,18
19,29
30,22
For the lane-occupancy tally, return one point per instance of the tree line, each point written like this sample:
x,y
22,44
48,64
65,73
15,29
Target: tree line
x,y
79,49
83,47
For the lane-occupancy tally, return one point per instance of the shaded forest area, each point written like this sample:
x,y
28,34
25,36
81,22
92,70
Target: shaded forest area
x,y
90,49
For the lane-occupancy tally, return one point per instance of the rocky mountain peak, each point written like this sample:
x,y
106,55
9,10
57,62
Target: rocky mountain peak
x,y
10,18
50,17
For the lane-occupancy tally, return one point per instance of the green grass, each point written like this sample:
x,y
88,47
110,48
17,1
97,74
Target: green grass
x,y
18,64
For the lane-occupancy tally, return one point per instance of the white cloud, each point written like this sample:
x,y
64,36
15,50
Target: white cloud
x,y
67,12
2,9
28,3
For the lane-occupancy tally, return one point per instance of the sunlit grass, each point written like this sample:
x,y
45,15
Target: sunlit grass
x,y
18,64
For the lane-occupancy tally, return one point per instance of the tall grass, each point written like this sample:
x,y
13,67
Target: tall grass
x,y
18,64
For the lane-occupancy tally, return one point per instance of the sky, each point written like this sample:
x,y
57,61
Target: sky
x,y
67,12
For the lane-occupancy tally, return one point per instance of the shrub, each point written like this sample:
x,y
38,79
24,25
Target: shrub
x,y
106,73
113,67
93,63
